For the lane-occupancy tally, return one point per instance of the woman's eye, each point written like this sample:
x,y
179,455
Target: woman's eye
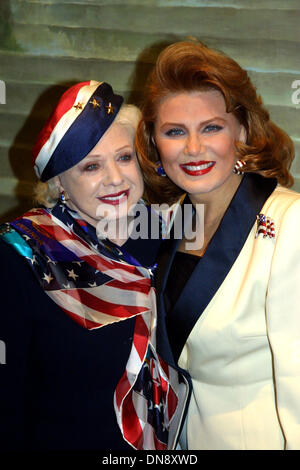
x,y
125,158
213,128
91,167
174,131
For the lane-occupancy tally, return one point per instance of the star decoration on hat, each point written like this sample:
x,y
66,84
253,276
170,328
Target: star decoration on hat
x,y
95,103
78,105
110,109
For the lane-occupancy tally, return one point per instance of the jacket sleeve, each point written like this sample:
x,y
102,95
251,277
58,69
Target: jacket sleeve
x,y
283,323
15,337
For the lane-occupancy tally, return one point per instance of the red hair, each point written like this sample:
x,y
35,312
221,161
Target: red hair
x,y
190,66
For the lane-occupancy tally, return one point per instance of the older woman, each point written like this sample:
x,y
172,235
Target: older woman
x,y
78,309
231,306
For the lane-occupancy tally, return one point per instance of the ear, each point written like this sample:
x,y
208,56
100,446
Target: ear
x,y
243,135
57,181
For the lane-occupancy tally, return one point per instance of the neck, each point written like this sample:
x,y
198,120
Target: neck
x,y
217,201
116,230
215,205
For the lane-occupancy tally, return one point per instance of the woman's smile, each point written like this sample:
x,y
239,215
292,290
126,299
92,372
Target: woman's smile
x,y
115,199
197,168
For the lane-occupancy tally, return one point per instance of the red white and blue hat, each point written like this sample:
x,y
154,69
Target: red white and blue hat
x,y
83,114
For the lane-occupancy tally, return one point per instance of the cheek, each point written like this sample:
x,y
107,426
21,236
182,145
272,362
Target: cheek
x,y
225,148
82,188
168,151
138,181
91,184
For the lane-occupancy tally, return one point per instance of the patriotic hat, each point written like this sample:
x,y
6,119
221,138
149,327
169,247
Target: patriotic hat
x,y
83,114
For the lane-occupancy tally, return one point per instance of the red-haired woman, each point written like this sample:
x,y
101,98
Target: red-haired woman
x,y
231,306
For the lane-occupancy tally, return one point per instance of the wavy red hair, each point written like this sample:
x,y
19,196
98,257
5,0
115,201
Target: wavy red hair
x,y
192,66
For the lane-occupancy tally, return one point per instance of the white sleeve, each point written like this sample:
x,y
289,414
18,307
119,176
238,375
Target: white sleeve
x,y
283,323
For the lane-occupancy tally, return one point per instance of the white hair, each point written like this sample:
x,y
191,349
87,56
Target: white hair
x,y
48,193
128,115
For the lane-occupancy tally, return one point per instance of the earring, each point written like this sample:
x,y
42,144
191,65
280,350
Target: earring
x,y
159,169
239,164
62,197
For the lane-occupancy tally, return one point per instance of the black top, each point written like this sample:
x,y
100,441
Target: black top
x,y
57,386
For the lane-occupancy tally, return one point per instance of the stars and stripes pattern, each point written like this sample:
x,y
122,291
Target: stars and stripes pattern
x,y
265,226
146,397
95,287
87,285
83,114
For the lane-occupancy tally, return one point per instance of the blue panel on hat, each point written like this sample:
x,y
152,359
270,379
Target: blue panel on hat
x,y
85,132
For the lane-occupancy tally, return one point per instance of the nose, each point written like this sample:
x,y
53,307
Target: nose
x,y
113,175
193,145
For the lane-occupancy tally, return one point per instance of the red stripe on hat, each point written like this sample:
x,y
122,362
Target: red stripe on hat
x,y
65,103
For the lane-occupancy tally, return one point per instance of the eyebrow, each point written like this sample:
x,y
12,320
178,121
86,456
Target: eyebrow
x,y
124,147
128,147
201,124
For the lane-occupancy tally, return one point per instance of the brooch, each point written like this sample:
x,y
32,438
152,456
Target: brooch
x,y
265,226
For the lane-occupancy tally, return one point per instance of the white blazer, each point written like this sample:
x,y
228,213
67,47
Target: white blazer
x,y
241,347
243,354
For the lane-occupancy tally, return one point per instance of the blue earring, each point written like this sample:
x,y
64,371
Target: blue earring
x,y
159,169
62,197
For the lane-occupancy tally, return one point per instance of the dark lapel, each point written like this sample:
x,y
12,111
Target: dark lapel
x,y
219,257
164,262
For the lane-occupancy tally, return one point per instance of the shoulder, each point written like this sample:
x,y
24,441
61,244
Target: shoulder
x,y
281,201
14,266
283,207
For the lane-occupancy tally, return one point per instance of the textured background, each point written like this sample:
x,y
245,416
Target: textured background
x,y
46,45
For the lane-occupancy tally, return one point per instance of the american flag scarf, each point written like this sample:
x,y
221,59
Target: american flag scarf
x,y
96,285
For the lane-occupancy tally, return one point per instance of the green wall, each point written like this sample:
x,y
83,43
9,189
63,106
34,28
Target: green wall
x,y
45,45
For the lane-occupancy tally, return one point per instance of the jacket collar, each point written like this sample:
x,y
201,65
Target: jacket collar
x,y
219,257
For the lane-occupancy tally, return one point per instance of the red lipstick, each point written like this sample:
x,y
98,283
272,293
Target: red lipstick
x,y
197,168
115,198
